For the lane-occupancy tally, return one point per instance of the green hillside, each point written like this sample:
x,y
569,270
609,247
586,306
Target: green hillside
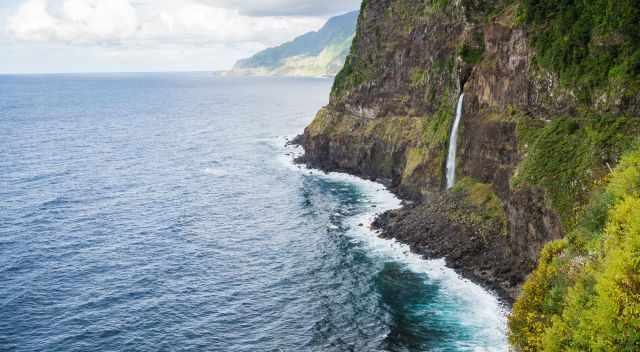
x,y
320,53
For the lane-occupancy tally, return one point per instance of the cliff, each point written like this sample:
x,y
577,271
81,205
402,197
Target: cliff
x,y
552,100
314,54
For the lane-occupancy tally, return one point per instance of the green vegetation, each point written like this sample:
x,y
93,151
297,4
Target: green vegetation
x,y
470,54
443,66
418,78
415,159
386,36
535,307
439,4
351,75
589,43
354,71
585,293
438,126
392,131
472,50
566,156
490,210
312,54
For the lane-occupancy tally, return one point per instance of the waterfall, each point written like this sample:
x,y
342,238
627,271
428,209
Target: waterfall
x,y
453,145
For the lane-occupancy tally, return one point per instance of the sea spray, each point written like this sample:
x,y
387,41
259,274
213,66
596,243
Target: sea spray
x,y
470,304
453,145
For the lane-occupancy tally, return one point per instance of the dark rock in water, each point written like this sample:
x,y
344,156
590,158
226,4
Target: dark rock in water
x,y
431,231
297,141
300,160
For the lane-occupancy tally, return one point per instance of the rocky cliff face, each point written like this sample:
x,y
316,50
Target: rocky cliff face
x,y
390,117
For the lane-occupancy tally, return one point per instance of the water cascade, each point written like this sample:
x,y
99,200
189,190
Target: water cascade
x,y
453,145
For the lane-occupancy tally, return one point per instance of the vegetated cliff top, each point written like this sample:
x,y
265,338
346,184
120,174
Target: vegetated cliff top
x,y
589,50
314,53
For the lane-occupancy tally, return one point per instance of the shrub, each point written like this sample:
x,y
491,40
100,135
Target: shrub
x,y
530,318
587,42
568,157
587,297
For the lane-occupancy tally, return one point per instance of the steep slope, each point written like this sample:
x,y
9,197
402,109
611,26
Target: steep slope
x,y
585,293
320,53
552,101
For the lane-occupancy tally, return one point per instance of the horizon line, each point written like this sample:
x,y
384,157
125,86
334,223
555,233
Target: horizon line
x,y
103,72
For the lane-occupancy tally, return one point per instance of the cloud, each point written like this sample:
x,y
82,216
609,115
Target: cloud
x,y
288,7
116,22
82,21
150,35
196,21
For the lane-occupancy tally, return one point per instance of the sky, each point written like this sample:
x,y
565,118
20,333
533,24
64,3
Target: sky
x,y
53,36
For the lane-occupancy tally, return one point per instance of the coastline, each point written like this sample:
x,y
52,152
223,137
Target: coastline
x,y
485,304
421,226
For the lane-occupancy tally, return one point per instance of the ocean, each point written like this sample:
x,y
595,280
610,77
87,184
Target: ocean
x,y
162,212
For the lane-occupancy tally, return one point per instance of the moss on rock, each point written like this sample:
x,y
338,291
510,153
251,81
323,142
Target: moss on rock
x,y
567,156
490,209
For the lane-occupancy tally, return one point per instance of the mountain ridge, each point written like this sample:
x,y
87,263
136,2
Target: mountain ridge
x,y
317,53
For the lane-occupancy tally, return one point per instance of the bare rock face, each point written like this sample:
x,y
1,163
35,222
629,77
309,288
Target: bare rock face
x,y
383,149
390,116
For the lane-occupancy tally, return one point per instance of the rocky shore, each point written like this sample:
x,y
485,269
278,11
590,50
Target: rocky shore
x,y
475,251
476,255
436,226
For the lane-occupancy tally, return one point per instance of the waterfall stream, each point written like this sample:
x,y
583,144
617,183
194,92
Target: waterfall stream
x,y
453,145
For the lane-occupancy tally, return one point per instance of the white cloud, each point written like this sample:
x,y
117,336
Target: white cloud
x,y
149,35
82,21
120,21
195,21
289,7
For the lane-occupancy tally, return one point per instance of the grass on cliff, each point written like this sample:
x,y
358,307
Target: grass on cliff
x,y
585,293
472,50
568,156
350,76
589,43
438,127
418,78
490,210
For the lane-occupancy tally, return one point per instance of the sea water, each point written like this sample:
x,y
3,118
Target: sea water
x,y
162,212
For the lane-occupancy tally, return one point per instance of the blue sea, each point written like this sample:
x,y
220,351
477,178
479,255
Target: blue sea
x,y
162,212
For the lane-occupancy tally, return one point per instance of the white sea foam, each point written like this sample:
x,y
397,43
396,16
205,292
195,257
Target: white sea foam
x,y
478,309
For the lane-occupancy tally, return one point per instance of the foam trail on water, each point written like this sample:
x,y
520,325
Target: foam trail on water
x,y
479,309
453,145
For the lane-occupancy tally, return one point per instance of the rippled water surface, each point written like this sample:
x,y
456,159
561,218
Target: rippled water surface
x,y
159,212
